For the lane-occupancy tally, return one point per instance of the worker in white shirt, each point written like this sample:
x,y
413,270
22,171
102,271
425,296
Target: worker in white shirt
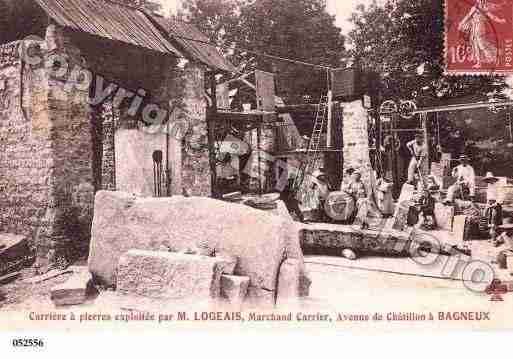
x,y
418,153
464,187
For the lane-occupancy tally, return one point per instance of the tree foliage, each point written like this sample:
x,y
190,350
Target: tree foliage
x,y
300,29
403,41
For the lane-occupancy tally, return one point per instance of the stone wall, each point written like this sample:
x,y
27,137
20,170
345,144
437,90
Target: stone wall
x,y
72,171
356,140
108,164
26,154
55,153
46,159
196,179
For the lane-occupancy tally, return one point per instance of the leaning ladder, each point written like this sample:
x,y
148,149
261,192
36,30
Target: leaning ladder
x,y
312,152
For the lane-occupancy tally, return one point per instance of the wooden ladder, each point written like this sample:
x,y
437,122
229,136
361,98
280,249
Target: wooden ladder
x,y
312,152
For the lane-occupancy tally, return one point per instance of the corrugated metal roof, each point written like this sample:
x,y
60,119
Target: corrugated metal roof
x,y
109,20
195,43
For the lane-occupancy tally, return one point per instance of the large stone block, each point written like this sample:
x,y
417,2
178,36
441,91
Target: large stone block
x,y
166,275
74,290
234,288
259,241
289,281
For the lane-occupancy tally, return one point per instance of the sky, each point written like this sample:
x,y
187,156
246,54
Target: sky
x,y
340,8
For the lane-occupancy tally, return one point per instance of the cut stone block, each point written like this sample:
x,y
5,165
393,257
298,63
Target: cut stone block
x,y
74,291
460,228
228,263
165,275
289,281
260,298
444,216
509,262
257,239
281,210
234,288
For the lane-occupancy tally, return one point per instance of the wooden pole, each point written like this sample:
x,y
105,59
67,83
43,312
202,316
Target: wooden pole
x,y
211,120
426,140
379,159
259,144
330,117
330,109
395,169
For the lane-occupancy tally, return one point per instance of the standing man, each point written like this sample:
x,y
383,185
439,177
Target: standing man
x,y
356,188
288,196
418,153
465,181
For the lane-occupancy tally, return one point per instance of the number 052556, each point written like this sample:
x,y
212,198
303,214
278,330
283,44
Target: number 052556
x,y
28,342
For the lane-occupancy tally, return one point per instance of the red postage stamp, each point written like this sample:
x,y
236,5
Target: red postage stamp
x,y
478,37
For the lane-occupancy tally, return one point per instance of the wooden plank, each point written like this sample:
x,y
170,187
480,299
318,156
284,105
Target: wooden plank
x,y
265,91
50,275
8,277
460,228
223,97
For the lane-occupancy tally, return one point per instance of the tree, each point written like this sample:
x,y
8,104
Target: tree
x,y
217,19
301,30
403,41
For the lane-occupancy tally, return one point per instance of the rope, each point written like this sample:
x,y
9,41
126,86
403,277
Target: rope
x,y
262,54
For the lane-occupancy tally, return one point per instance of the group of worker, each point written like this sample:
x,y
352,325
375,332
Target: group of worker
x,y
464,188
320,189
356,191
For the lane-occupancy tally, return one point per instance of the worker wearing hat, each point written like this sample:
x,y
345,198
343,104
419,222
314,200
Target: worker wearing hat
x,y
465,181
356,188
348,173
418,153
321,189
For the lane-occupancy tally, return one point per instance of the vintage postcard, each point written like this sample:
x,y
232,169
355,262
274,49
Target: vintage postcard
x,y
279,164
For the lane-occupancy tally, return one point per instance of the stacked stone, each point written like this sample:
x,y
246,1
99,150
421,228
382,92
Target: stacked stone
x,y
356,139
26,153
196,178
108,156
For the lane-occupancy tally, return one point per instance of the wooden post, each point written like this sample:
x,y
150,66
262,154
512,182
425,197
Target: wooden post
x,y
426,141
395,169
211,122
379,159
259,148
330,116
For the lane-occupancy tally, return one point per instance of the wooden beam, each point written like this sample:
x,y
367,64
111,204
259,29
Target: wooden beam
x,y
330,115
459,107
240,78
301,108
